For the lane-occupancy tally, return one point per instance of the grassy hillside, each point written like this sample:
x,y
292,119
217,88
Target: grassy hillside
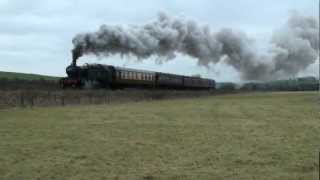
x,y
248,136
13,75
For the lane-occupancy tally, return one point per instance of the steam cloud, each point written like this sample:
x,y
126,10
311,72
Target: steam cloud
x,y
294,46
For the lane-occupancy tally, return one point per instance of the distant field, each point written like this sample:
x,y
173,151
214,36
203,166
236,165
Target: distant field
x,y
13,75
243,136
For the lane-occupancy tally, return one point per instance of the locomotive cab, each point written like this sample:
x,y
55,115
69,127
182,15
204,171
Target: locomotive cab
x,y
98,76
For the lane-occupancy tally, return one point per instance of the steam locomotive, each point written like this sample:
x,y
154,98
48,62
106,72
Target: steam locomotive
x,y
93,76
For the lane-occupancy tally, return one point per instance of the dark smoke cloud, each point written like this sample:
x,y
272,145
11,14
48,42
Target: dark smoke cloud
x,y
294,46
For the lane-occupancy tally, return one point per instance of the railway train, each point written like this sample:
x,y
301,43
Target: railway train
x,y
93,76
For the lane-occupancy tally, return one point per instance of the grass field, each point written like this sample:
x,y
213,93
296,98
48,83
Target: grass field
x,y
14,75
245,136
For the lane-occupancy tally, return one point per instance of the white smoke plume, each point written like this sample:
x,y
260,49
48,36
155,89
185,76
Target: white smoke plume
x,y
294,46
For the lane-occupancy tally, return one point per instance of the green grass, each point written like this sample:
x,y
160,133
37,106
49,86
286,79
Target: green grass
x,y
14,75
247,136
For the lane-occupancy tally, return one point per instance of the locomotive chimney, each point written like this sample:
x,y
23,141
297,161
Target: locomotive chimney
x,y
76,53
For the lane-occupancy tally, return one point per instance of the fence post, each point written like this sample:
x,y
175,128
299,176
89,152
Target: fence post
x,y
55,99
21,99
32,103
62,100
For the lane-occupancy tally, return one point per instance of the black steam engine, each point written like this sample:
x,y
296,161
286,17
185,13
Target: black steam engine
x,y
93,76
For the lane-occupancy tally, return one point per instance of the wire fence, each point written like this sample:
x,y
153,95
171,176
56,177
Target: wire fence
x,y
32,98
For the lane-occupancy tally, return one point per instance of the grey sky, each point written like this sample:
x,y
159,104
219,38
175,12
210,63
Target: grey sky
x,y
35,36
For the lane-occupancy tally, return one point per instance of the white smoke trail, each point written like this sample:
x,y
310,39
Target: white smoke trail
x,y
294,47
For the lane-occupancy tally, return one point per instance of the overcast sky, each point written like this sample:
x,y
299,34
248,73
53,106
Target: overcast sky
x,y
35,36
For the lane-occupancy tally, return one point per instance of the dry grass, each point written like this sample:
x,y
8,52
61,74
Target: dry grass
x,y
247,136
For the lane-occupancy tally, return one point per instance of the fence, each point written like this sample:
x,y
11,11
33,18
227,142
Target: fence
x,y
62,98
